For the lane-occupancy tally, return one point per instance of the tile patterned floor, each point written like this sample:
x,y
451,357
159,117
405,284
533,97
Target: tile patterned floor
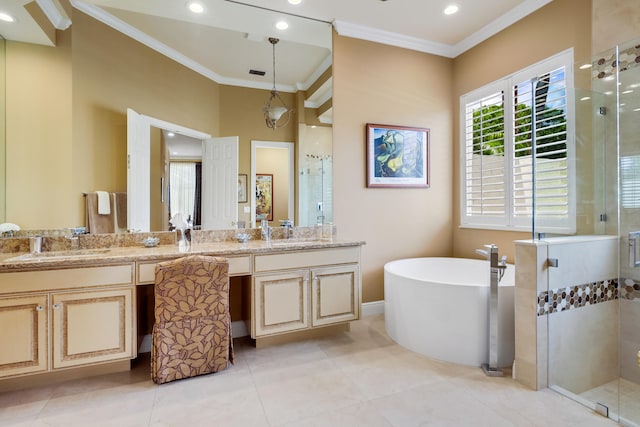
x,y
356,378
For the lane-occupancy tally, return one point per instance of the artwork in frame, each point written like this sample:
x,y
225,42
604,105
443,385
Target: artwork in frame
x,y
264,197
242,188
397,156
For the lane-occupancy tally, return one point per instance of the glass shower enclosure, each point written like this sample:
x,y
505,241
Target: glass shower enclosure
x,y
594,299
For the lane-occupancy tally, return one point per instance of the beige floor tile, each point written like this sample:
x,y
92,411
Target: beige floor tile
x,y
356,378
298,397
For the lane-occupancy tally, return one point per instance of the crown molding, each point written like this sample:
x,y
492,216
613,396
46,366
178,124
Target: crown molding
x,y
450,51
394,39
494,27
55,14
121,26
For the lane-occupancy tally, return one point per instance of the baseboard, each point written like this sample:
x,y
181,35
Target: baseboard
x,y
372,308
239,328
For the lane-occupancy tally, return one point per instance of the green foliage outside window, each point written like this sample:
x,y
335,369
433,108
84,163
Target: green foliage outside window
x,y
488,131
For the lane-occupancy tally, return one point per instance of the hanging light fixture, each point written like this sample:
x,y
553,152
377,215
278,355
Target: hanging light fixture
x,y
275,115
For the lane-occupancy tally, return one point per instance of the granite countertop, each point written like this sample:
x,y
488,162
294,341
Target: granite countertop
x,y
111,255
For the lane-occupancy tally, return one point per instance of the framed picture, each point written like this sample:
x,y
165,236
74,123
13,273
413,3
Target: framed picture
x,y
397,156
242,188
264,197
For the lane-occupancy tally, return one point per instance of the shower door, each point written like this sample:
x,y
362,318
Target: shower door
x,y
629,205
594,283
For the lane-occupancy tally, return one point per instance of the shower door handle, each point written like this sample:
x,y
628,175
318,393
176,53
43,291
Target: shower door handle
x,y
634,236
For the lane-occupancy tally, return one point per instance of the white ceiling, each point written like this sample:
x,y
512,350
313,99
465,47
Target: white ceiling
x,y
231,36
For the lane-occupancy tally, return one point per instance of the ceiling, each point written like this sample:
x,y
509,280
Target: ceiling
x,y
230,37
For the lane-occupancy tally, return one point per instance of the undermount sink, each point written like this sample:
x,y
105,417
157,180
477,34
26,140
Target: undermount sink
x,y
60,254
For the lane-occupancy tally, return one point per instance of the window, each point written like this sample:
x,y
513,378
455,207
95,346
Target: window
x,y
517,151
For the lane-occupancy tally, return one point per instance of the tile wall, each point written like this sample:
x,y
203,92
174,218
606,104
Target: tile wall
x,y
567,316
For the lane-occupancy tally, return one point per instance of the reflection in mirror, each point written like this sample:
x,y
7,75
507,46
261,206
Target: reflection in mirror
x,y
304,69
275,159
315,166
182,182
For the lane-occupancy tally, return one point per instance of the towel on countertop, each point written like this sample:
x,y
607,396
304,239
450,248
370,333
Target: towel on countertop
x,y
96,223
104,203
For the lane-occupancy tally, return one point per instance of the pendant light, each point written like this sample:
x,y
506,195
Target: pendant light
x,y
276,112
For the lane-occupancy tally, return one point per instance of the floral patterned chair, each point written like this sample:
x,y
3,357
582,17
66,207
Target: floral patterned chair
x,y
192,329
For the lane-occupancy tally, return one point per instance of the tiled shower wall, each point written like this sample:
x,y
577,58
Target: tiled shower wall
x,y
567,316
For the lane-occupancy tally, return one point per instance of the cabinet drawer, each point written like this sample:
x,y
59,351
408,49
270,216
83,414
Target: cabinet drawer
x,y
305,259
238,266
70,278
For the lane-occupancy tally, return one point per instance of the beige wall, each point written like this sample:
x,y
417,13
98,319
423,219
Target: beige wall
x,y
614,22
39,149
560,25
375,83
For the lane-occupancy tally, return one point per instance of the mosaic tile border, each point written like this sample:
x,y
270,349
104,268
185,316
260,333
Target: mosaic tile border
x,y
629,289
606,66
572,297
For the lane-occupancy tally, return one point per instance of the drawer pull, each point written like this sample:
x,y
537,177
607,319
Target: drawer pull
x,y
57,306
39,308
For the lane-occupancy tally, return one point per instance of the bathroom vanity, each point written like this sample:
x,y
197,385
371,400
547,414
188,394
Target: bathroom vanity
x,y
76,309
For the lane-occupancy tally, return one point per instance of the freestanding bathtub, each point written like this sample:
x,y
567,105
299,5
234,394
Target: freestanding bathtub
x,y
439,307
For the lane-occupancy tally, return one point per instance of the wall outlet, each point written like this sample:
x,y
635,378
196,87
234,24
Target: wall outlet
x,y
247,209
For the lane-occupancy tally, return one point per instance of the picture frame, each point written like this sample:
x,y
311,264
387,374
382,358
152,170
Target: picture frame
x,y
397,156
242,188
264,196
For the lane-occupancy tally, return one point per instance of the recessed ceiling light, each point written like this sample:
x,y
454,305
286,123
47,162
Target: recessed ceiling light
x,y
295,1
195,7
171,134
282,25
450,10
6,17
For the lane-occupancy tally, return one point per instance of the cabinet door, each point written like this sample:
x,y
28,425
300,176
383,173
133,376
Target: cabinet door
x,y
335,295
92,326
23,335
280,303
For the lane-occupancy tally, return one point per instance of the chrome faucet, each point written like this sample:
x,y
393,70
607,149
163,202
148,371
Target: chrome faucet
x,y
287,224
491,254
266,230
498,267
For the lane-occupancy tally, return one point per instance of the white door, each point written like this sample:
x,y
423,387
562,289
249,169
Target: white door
x,y
219,183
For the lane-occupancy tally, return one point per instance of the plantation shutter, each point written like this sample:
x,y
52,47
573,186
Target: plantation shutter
x,y
541,182
484,158
504,164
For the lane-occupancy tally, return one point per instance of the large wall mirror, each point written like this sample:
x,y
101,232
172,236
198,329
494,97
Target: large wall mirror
x,y
210,73
237,51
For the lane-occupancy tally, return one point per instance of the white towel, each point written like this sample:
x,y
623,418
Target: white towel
x,y
104,203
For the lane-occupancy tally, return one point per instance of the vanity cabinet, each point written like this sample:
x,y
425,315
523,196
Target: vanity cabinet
x,y
23,335
70,317
301,290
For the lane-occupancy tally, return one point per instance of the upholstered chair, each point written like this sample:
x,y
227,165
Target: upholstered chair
x,y
192,329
